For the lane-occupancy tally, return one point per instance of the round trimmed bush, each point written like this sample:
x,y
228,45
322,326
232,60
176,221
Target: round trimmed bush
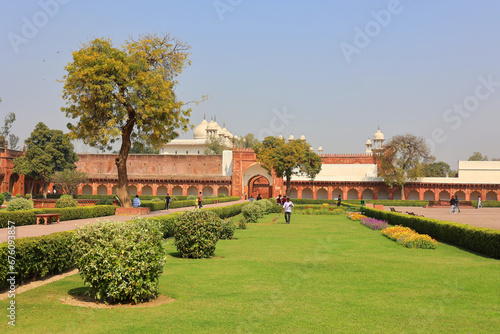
x,y
18,204
226,229
222,195
66,201
196,233
2,199
120,261
191,197
251,212
27,196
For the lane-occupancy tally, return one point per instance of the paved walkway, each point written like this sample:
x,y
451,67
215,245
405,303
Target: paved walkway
x,y
37,230
486,217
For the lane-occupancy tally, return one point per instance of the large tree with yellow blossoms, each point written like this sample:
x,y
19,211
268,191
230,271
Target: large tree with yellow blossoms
x,y
126,93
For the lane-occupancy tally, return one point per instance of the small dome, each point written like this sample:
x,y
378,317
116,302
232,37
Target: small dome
x,y
320,149
368,142
212,126
303,137
311,148
200,131
291,137
378,135
280,136
217,126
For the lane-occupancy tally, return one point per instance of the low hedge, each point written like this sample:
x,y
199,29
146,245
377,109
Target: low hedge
x,y
358,202
478,239
38,256
27,217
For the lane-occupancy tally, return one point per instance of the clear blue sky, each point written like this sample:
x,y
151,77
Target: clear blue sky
x,y
340,69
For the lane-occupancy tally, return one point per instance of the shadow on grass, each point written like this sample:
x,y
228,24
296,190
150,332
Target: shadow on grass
x,y
80,291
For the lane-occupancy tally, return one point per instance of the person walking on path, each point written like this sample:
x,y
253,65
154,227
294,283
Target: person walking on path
x,y
288,210
339,201
479,203
457,203
136,202
200,198
452,202
167,201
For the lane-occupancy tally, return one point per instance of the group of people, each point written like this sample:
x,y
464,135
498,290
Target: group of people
x,y
455,204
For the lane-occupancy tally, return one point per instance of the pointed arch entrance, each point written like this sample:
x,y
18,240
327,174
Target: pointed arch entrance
x,y
256,180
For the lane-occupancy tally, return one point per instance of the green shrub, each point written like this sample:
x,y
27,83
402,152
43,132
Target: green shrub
x,y
251,212
7,196
196,233
156,199
38,256
18,204
104,201
27,196
226,229
2,199
19,196
242,225
222,195
66,201
120,261
191,197
478,239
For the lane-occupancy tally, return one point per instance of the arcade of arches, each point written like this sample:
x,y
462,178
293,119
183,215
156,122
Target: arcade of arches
x,y
188,175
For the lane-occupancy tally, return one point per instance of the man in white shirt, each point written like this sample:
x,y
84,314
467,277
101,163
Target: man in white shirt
x,y
136,202
288,210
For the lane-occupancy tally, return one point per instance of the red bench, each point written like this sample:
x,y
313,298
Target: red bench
x,y
47,216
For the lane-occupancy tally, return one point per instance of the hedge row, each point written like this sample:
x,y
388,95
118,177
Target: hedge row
x,y
52,254
38,256
27,217
186,203
478,239
358,202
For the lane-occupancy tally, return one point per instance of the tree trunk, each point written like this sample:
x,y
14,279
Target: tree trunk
x,y
288,189
32,185
44,188
121,162
403,192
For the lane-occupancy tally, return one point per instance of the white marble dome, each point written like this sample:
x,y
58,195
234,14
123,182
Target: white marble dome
x,y
368,142
378,135
200,131
291,137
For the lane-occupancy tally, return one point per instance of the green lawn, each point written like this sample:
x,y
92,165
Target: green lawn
x,y
321,274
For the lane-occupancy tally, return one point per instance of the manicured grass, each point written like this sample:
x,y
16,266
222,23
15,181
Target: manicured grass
x,y
320,274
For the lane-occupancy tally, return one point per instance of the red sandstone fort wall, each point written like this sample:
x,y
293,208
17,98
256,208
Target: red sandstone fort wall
x,y
144,164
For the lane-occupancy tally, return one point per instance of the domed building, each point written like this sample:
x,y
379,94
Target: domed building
x,y
201,134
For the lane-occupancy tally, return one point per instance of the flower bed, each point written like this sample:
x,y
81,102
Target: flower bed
x,y
374,224
355,216
409,238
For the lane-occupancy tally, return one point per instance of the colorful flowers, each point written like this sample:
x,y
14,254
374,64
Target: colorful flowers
x,y
409,238
373,223
355,216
